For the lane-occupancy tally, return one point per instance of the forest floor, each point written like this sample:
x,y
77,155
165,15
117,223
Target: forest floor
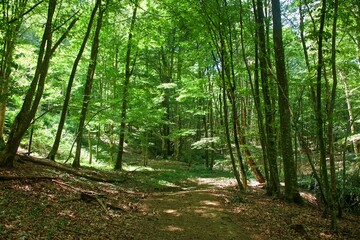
x,y
167,200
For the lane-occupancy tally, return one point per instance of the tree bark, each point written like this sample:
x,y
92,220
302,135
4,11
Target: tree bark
x,y
60,128
88,86
13,14
128,74
290,175
319,117
255,89
331,107
34,94
273,187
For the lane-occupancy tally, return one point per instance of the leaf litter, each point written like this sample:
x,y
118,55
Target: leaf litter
x,y
71,207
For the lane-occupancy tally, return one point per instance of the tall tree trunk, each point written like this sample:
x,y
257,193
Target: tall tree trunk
x,y
166,76
128,73
319,116
230,74
303,142
270,133
330,116
290,175
211,124
88,87
65,107
250,160
255,88
34,94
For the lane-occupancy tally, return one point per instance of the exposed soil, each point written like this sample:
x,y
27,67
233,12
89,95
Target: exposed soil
x,y
196,213
187,208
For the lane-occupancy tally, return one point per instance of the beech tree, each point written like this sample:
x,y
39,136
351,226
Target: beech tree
x,y
291,191
65,107
128,73
34,94
89,83
268,90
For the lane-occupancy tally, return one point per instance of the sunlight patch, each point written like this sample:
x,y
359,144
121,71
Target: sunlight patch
x,y
210,203
166,183
205,213
172,212
174,229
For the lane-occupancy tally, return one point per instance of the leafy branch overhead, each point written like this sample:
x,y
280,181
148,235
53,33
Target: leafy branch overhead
x,y
266,89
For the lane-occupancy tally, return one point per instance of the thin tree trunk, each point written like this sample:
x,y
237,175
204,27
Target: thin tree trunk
x,y
302,140
319,116
250,160
88,87
350,111
227,134
60,128
255,88
330,116
230,73
128,74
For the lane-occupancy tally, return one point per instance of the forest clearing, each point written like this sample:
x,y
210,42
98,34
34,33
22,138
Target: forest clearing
x,y
167,200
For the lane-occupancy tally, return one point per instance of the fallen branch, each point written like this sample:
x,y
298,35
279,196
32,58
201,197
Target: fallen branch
x,y
9,178
93,196
68,169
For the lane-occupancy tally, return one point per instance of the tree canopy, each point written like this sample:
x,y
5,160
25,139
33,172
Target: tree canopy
x,y
267,88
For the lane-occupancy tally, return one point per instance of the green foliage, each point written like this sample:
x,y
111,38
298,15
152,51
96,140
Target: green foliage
x,y
175,80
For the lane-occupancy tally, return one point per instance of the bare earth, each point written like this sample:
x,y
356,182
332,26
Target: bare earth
x,y
200,213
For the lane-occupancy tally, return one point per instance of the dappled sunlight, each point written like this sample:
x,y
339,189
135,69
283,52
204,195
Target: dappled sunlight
x,y
172,212
205,213
309,198
174,229
255,184
167,184
25,188
210,203
216,182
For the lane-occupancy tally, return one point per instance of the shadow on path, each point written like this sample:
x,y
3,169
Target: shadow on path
x,y
199,213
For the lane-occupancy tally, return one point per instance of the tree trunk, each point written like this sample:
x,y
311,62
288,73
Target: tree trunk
x,y
290,175
34,94
255,89
88,87
273,187
128,73
227,135
330,116
319,117
166,76
56,143
12,14
351,115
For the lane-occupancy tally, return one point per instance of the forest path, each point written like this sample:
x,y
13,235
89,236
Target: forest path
x,y
199,212
166,201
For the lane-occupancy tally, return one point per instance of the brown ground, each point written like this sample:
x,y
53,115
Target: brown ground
x,y
192,208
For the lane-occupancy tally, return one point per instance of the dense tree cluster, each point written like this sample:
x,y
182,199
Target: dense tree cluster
x,y
268,86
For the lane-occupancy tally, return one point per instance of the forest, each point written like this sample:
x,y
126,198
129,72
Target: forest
x,y
258,99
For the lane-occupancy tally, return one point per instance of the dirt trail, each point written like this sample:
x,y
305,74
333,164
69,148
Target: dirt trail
x,y
197,213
